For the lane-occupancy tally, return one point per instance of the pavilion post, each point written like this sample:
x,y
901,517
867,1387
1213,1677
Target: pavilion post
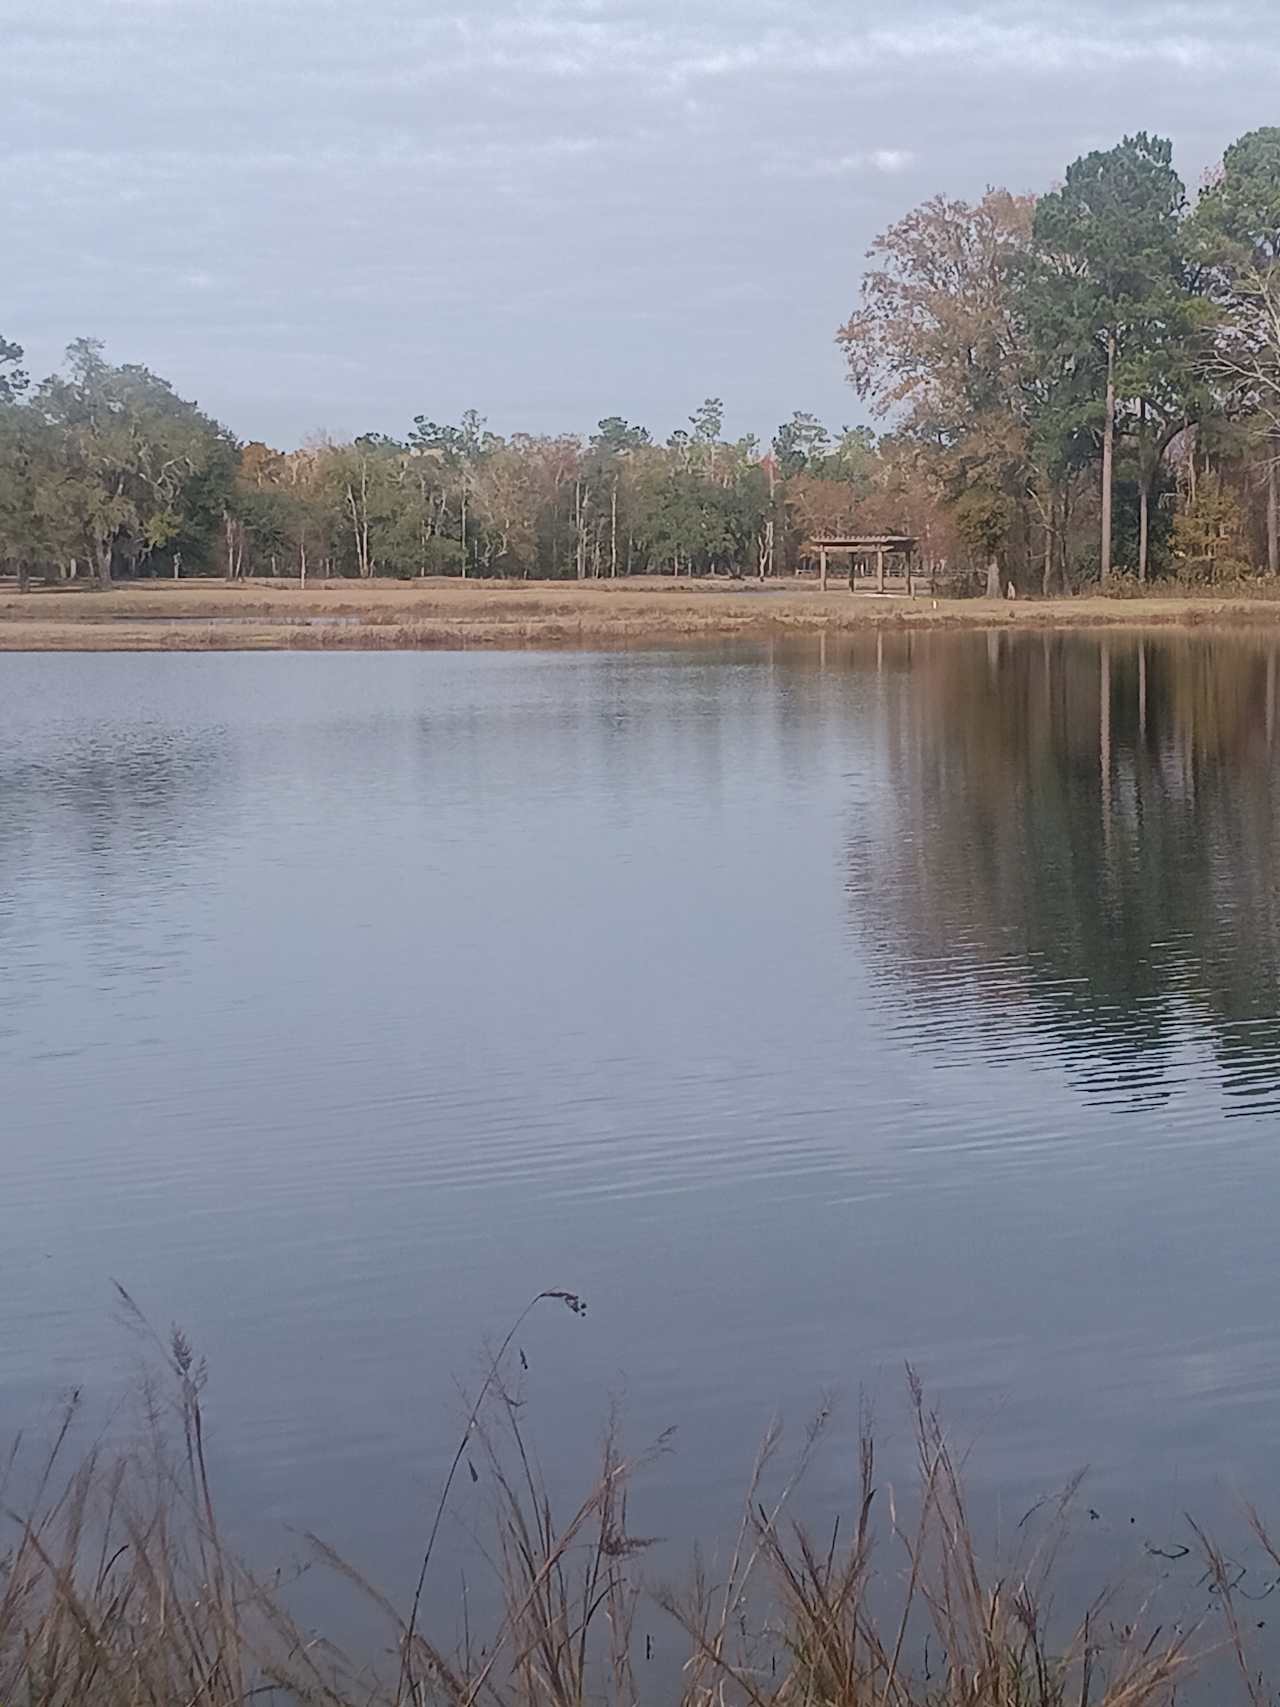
x,y
868,554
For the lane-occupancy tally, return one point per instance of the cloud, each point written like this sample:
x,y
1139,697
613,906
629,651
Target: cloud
x,y
888,161
685,46
536,206
892,159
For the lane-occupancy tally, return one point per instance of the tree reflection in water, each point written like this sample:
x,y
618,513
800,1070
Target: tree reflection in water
x,y
1076,851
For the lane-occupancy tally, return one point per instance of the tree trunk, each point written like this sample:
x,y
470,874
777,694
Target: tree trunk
x,y
1146,480
1108,459
580,532
1273,510
770,567
993,576
1046,573
1144,521
359,527
235,546
613,530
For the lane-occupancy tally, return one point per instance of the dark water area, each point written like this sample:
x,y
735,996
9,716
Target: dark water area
x,y
809,1009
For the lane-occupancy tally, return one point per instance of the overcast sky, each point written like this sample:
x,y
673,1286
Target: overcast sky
x,y
337,214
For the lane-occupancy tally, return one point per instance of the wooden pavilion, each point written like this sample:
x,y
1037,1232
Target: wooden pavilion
x,y
868,555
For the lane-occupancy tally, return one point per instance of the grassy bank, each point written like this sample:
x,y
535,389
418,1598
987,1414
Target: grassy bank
x,y
118,1589
254,616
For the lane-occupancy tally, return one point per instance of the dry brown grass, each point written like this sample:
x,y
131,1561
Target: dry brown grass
x,y
117,1589
844,1643
199,616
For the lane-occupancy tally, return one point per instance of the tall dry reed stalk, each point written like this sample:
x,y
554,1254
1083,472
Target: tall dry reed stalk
x,y
117,1589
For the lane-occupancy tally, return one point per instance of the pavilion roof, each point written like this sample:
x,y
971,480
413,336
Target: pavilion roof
x,y
864,541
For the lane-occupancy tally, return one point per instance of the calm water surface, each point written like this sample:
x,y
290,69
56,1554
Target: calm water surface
x,y
808,1010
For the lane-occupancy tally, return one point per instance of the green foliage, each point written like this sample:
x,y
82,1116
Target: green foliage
x,y
1160,522
13,381
1114,224
1235,234
1208,534
989,332
124,465
982,517
707,421
1110,265
800,443
615,437
1237,219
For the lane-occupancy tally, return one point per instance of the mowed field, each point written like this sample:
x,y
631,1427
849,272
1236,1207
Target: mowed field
x,y
198,615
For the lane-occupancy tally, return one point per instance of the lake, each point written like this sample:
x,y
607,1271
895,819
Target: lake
x,y
809,1009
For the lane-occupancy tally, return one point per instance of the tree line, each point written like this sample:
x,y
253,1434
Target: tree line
x,y
1091,377
105,472
1070,387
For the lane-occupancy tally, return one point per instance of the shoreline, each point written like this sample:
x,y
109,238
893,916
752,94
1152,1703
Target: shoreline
x,y
252,616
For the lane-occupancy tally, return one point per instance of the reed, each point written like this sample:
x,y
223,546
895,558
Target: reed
x,y
118,1589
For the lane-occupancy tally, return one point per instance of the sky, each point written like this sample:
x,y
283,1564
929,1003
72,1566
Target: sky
x,y
334,215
